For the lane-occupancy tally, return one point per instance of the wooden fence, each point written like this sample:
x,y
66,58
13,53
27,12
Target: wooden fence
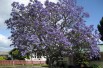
x,y
20,62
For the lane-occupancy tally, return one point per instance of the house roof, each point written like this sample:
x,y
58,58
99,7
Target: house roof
x,y
4,53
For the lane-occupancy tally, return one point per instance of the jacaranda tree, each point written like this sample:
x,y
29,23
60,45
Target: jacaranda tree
x,y
84,42
55,28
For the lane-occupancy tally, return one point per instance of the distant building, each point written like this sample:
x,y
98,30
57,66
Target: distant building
x,y
3,53
101,51
35,57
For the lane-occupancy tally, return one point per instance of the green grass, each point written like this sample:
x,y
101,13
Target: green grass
x,y
30,65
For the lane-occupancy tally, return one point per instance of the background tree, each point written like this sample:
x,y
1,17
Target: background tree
x,y
48,28
3,58
16,54
100,28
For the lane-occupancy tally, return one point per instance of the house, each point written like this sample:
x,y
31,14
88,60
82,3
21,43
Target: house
x,y
36,57
4,55
101,51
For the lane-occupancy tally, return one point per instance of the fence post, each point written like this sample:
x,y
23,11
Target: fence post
x,y
13,62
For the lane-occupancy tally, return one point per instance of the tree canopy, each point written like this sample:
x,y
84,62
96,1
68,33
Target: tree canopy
x,y
52,27
100,28
16,54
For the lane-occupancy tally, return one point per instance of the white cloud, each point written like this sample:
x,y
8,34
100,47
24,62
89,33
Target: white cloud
x,y
49,0
4,40
21,1
4,43
27,1
5,10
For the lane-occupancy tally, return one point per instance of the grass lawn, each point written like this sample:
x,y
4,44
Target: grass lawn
x,y
24,66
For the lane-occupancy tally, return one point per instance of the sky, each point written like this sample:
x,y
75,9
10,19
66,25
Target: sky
x,y
93,7
95,10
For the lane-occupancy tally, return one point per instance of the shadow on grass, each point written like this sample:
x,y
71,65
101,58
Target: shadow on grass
x,y
24,66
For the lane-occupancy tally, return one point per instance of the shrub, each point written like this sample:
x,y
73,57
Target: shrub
x,y
3,58
95,66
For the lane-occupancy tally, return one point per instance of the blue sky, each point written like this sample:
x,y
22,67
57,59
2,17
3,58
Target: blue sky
x,y
93,7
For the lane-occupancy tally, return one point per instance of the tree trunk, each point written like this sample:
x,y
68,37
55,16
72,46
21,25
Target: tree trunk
x,y
50,62
71,60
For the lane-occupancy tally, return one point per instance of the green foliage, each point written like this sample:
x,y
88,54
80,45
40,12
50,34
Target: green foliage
x,y
16,54
100,28
3,58
81,58
95,66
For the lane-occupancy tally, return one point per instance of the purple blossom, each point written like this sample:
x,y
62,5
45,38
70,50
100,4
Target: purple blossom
x,y
37,26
